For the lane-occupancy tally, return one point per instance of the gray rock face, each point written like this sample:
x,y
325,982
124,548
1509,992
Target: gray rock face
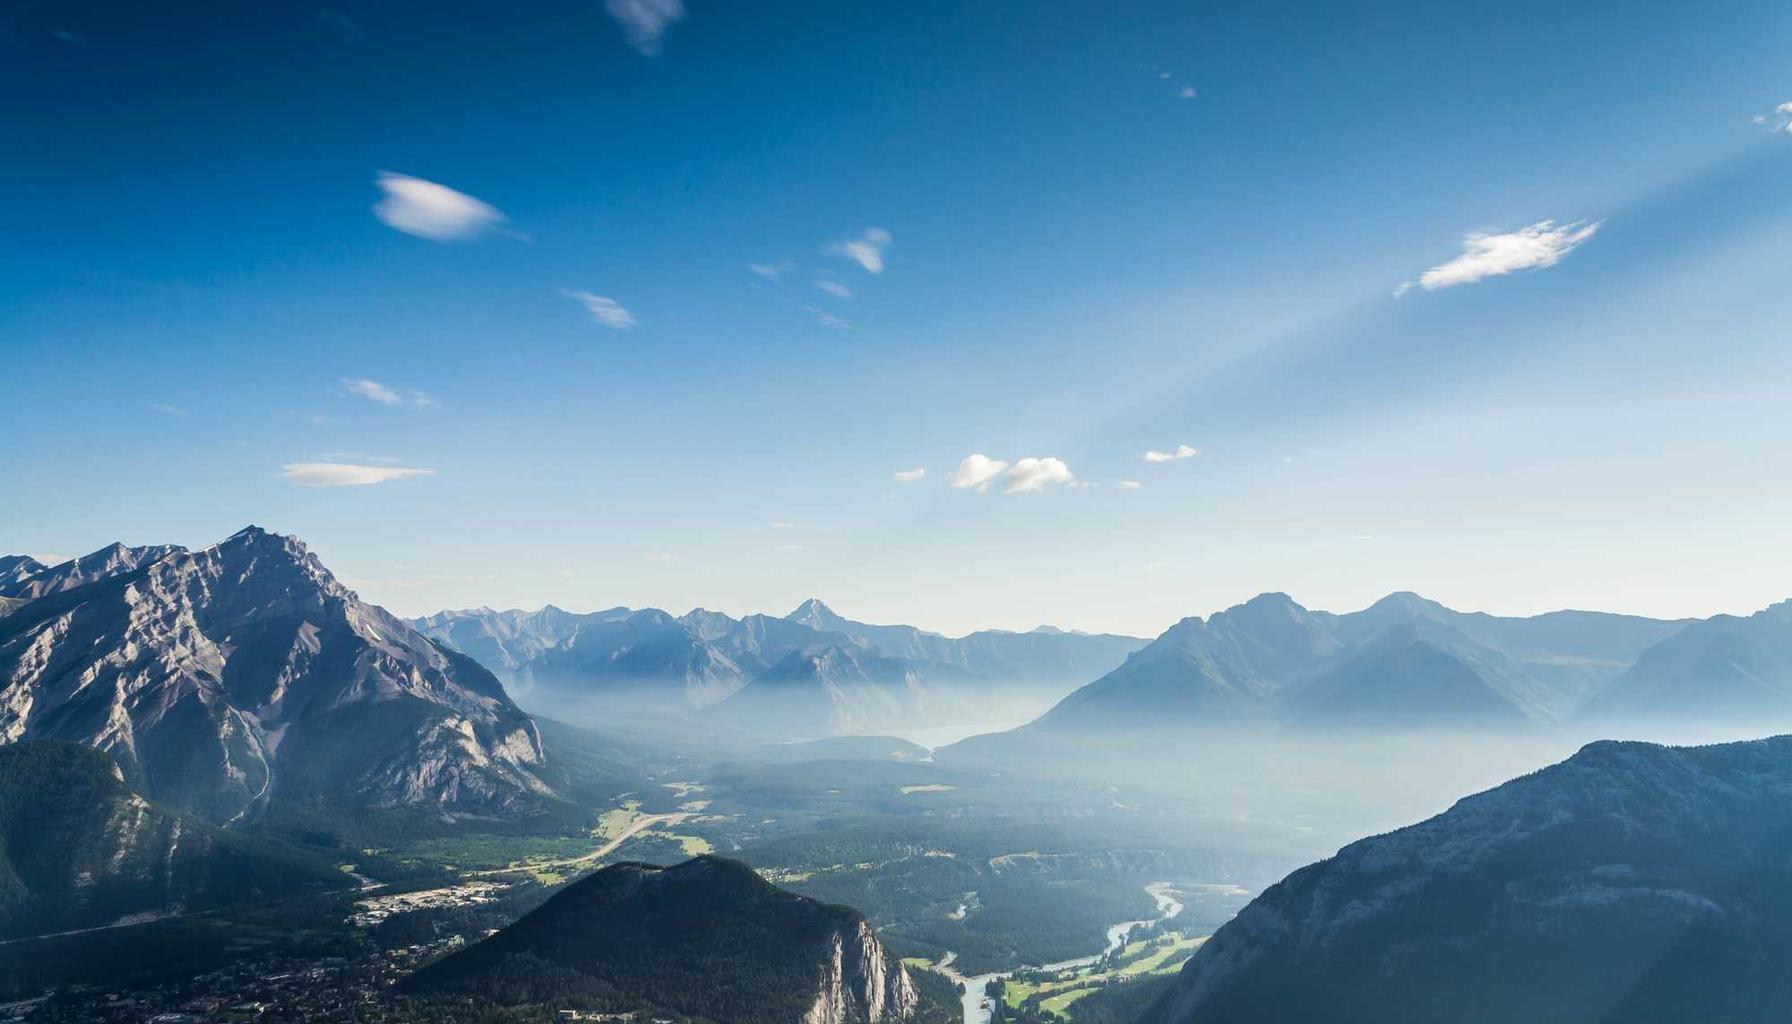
x,y
227,678
107,561
1632,882
15,570
859,982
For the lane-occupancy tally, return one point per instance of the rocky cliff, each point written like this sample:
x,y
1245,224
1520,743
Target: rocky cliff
x,y
227,680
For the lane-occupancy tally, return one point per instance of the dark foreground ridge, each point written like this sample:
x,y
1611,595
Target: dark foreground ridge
x,y
1630,883
707,938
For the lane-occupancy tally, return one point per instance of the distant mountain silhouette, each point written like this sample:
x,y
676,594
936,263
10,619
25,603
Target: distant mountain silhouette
x,y
809,673
1404,661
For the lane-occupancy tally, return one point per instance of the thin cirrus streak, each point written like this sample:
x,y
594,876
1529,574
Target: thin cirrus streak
x,y
346,474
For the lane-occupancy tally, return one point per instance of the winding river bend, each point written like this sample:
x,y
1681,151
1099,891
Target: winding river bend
x,y
977,1009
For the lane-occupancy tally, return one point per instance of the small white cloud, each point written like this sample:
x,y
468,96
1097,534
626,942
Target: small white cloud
x,y
644,22
1183,90
1182,451
345,474
372,390
867,250
564,572
1129,485
834,288
772,271
1779,121
1032,474
423,399
977,471
1021,477
1402,288
432,211
827,319
788,547
782,525
166,409
1492,254
909,476
604,310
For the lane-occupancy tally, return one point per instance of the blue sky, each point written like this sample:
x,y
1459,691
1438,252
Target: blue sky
x,y
1052,237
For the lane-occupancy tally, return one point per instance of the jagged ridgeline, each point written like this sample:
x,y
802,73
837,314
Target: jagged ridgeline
x,y
78,848
707,938
807,674
244,680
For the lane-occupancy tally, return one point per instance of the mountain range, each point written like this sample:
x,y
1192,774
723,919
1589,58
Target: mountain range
x,y
707,939
243,677
1630,883
1406,661
810,673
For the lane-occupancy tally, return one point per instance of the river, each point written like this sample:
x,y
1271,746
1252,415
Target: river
x,y
976,1005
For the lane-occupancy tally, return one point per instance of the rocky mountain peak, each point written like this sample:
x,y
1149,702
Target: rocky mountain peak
x,y
816,615
205,673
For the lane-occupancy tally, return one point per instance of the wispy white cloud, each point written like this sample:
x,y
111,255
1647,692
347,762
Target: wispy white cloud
x,y
827,319
782,525
346,474
1488,254
977,471
1035,474
603,309
167,410
644,22
1129,485
1779,121
372,390
1182,451
867,250
432,211
909,476
834,288
1183,90
772,271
